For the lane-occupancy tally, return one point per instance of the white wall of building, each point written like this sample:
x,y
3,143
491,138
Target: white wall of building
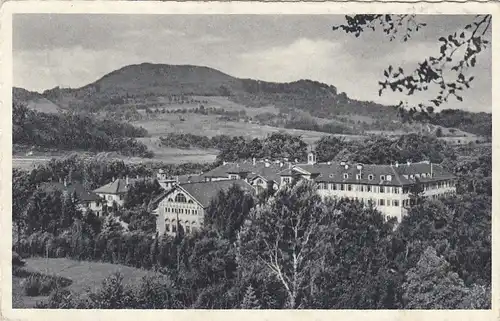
x,y
190,215
110,198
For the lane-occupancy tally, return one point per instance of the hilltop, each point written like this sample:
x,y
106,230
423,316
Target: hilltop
x,y
148,82
130,91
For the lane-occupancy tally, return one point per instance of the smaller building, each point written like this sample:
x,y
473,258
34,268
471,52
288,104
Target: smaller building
x,y
115,191
167,181
262,174
87,200
184,205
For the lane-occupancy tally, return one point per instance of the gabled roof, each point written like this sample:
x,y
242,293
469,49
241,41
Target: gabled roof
x,y
334,172
204,192
190,178
118,186
71,188
269,172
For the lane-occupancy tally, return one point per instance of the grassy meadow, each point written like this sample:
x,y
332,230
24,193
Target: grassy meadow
x,y
84,276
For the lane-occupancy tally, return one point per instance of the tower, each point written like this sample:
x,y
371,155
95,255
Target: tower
x,y
311,158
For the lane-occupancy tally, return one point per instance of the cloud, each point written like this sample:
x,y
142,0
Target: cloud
x,y
303,58
210,39
66,67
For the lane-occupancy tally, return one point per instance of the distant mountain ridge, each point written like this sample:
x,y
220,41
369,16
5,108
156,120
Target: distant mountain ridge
x,y
147,80
138,84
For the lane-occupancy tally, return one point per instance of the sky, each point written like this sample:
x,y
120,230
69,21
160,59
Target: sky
x,y
73,50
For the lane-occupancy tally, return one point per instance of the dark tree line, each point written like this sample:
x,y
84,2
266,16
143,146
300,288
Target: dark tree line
x,y
232,148
70,131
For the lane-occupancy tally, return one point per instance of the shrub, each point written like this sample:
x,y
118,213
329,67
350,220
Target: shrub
x,y
37,284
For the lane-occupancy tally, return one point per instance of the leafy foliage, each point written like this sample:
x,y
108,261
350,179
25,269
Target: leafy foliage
x,y
228,211
444,71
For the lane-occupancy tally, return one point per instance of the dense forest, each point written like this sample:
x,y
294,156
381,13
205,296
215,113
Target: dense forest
x,y
343,255
475,123
232,148
68,131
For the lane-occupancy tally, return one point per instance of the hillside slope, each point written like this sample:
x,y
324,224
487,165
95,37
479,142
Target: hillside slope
x,y
152,85
138,83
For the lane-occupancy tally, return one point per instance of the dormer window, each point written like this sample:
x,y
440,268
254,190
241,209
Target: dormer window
x,y
424,175
417,175
412,177
382,177
370,177
331,175
346,176
389,177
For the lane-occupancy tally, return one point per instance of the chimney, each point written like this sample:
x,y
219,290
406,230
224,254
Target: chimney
x,y
254,161
296,160
267,164
281,164
224,163
137,176
65,183
126,179
397,164
408,163
329,163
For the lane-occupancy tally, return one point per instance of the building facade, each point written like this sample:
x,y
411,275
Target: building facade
x,y
184,205
388,187
115,191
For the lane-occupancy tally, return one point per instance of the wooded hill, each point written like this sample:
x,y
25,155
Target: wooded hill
x,y
142,83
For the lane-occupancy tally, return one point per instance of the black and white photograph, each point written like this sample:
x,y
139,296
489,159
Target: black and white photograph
x,y
218,161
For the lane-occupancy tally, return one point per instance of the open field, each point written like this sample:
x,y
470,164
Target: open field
x,y
212,102
165,155
209,125
85,275
43,105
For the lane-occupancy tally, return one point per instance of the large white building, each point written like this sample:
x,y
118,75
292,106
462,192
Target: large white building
x,y
387,187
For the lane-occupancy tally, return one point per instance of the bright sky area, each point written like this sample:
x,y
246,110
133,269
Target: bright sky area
x,y
74,50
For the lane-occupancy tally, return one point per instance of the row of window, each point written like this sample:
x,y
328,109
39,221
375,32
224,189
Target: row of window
x,y
437,185
380,202
172,226
360,188
180,198
370,177
110,197
182,211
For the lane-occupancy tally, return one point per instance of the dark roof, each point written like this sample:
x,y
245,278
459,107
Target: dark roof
x,y
204,192
190,178
118,186
70,188
334,172
269,172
